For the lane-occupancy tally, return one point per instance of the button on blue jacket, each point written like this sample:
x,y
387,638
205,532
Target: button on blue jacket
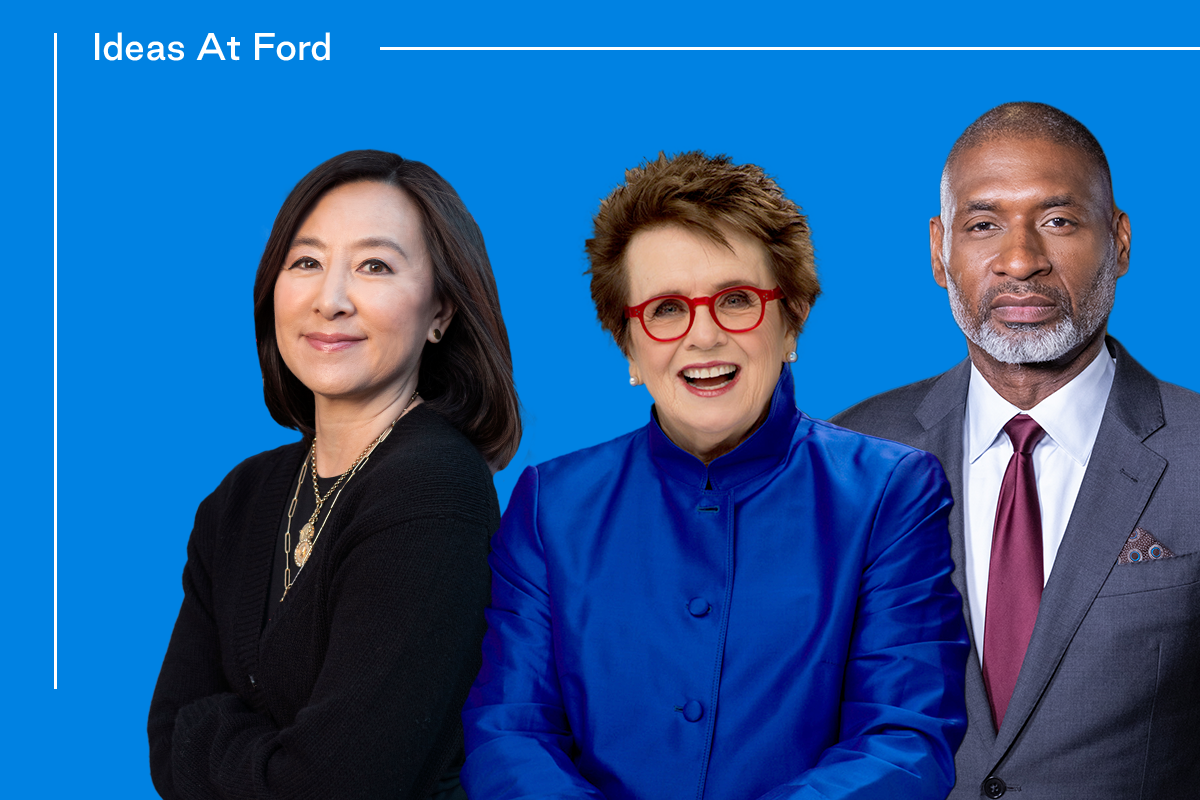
x,y
777,623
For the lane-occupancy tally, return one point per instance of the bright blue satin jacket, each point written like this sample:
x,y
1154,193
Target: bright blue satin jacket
x,y
777,623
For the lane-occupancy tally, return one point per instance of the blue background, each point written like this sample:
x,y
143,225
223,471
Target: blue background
x,y
171,174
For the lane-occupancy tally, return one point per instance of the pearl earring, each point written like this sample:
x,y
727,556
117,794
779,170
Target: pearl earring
x,y
633,381
791,357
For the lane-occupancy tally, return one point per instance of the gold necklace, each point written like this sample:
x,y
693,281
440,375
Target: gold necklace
x,y
310,533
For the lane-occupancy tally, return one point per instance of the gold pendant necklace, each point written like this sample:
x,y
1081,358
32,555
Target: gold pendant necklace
x,y
309,533
304,545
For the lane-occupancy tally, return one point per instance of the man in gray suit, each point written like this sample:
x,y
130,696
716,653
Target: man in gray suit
x,y
1076,475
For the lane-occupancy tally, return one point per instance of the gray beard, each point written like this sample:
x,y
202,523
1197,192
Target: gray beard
x,y
1033,343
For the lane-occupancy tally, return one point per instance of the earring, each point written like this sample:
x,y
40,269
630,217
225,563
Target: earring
x,y
791,357
437,335
633,381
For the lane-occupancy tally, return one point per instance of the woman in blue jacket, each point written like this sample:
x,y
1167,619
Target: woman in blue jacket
x,y
735,601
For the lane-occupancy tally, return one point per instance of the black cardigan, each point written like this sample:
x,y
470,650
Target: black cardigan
x,y
355,689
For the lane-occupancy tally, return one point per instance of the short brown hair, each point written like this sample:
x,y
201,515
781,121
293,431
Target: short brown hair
x,y
467,376
707,194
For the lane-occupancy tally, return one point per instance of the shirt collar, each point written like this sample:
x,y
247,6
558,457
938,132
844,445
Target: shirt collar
x,y
761,451
1071,416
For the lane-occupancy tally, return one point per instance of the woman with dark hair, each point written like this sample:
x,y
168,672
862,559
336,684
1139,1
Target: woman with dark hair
x,y
735,601
334,588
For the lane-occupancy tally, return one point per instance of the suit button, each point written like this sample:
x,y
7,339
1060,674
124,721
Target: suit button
x,y
698,607
693,711
993,787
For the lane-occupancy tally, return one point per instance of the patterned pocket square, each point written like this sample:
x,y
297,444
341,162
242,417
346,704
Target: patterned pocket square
x,y
1142,546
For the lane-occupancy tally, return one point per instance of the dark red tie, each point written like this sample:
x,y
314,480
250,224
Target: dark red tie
x,y
1015,573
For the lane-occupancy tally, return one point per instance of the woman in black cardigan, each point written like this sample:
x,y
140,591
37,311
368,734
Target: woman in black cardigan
x,y
334,588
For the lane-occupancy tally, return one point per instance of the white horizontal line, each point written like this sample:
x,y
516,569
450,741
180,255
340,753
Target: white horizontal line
x,y
657,49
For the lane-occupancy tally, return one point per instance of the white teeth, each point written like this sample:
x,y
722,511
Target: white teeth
x,y
709,372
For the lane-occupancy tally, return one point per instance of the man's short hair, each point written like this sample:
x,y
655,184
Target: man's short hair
x,y
1027,120
711,196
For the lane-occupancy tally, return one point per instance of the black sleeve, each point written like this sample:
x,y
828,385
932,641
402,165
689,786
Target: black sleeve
x,y
192,666
405,619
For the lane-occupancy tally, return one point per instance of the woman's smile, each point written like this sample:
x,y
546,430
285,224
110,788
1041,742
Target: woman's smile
x,y
709,379
332,342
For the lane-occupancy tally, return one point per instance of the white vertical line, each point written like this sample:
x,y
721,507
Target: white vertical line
x,y
55,360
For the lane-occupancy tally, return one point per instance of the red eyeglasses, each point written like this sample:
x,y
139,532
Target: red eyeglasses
x,y
670,316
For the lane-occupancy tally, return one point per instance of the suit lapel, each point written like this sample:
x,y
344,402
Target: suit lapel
x,y
1121,475
941,415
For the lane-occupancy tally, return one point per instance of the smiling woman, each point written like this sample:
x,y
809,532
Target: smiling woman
x,y
334,588
356,302
712,376
748,602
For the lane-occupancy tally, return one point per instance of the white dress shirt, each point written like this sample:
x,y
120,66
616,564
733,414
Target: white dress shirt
x,y
1071,418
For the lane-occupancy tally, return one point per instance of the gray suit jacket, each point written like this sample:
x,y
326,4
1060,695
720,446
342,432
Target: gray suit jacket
x,y
1108,700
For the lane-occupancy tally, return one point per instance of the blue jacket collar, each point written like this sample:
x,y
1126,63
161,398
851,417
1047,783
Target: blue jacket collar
x,y
762,450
